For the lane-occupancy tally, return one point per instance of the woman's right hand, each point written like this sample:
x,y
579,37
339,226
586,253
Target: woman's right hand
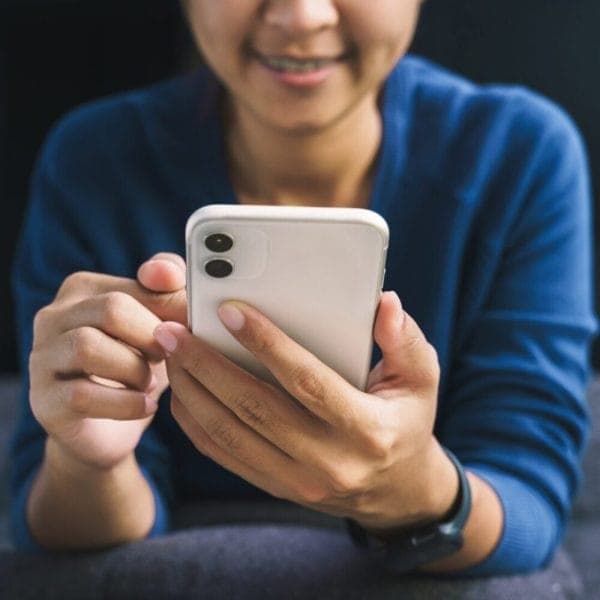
x,y
96,373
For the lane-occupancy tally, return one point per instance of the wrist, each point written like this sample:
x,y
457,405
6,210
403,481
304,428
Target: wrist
x,y
73,505
442,485
61,461
434,496
427,543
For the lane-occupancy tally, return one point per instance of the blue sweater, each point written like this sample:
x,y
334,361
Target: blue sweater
x,y
486,192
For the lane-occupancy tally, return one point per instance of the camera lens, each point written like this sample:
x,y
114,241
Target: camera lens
x,y
218,242
218,267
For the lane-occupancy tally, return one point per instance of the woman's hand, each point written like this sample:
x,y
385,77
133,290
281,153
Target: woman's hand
x,y
96,371
319,441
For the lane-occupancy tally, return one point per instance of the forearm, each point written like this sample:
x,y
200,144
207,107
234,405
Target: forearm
x,y
73,506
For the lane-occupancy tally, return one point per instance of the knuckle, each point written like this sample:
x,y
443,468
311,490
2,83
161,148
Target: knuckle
x,y
116,307
252,410
312,494
82,342
42,318
380,440
345,481
342,484
263,344
196,363
69,283
218,430
73,282
379,445
307,385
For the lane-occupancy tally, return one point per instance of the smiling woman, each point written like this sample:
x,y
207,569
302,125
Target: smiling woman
x,y
265,55
480,365
258,59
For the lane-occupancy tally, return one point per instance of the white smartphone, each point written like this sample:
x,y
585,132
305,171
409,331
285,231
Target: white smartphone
x,y
316,272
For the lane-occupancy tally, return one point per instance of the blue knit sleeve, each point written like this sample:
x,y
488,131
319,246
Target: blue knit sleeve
x,y
516,410
51,246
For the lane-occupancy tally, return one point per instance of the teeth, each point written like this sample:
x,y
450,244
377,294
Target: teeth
x,y
293,65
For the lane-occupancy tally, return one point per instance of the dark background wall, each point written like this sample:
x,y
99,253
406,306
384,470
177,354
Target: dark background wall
x,y
57,54
53,56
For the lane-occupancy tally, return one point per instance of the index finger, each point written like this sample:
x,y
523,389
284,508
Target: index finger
x,y
317,386
167,306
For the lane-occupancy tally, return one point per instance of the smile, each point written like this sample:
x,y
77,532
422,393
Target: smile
x,y
293,65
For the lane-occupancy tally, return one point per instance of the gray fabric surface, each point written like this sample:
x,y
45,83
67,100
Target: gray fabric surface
x,y
255,562
583,545
9,401
273,558
587,504
583,535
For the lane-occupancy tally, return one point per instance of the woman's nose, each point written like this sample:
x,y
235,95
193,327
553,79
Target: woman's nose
x,y
300,16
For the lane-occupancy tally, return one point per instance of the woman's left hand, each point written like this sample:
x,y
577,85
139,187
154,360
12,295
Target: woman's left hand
x,y
321,443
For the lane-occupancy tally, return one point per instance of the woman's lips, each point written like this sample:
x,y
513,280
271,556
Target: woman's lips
x,y
299,72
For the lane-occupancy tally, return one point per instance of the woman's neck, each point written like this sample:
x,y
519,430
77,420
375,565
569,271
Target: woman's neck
x,y
332,167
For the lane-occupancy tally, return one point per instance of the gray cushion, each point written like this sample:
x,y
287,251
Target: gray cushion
x,y
9,403
588,501
582,541
252,562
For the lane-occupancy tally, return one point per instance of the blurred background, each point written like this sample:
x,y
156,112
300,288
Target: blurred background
x,y
57,54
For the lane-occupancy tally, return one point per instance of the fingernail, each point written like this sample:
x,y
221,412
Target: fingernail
x,y
150,262
151,405
231,317
166,339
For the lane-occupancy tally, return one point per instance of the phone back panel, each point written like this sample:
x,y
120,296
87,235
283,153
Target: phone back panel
x,y
315,272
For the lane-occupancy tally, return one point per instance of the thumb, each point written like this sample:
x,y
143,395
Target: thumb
x,y
406,353
164,272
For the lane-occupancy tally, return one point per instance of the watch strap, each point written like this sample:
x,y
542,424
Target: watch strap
x,y
424,544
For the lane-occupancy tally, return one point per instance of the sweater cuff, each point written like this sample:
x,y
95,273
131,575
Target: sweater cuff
x,y
20,533
23,539
161,515
530,531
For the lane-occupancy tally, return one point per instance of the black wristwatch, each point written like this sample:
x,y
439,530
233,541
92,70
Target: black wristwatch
x,y
425,544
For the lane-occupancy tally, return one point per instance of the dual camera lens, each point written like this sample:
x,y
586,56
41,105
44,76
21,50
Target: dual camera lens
x,y
217,267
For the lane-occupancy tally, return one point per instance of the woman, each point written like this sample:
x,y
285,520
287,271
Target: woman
x,y
310,102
